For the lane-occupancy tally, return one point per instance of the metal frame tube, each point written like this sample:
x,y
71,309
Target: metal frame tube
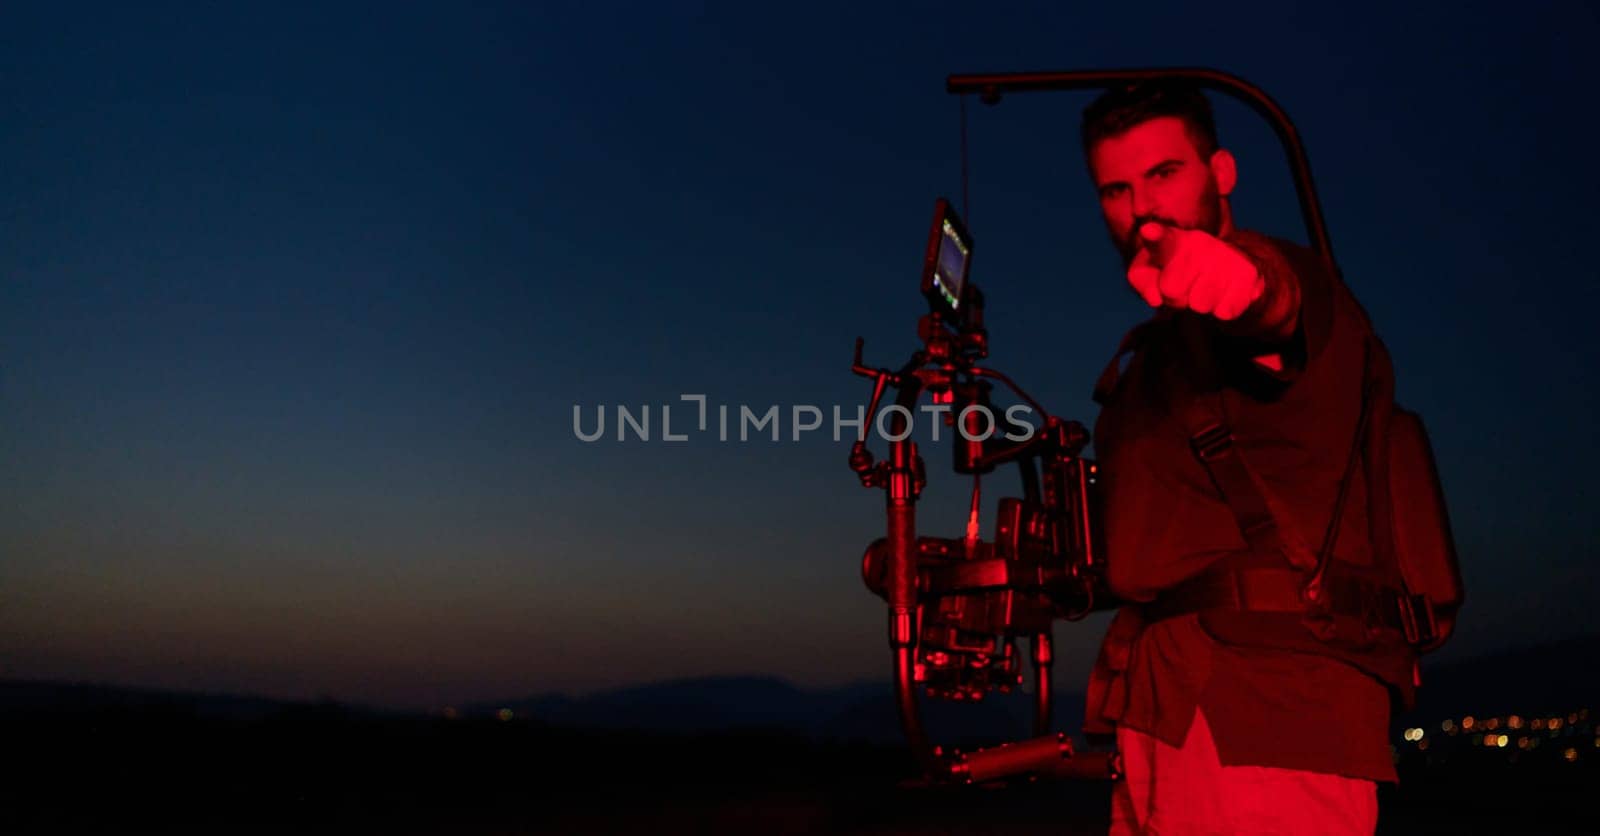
x,y
990,87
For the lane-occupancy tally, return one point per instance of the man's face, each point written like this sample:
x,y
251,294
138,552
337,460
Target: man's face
x,y
1154,172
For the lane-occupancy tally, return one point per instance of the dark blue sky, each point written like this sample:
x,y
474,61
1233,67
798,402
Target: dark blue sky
x,y
295,305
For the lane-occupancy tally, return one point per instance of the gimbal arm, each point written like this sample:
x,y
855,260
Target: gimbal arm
x,y
901,499
978,371
899,477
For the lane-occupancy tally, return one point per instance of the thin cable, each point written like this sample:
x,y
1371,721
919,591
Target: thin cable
x,y
966,207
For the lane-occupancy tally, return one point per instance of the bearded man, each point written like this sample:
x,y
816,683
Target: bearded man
x,y
1230,713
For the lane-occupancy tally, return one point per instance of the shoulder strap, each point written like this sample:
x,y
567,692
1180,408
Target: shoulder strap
x,y
1258,514
1369,382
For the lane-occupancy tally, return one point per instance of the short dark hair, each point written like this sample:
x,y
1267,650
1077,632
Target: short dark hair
x,y
1117,110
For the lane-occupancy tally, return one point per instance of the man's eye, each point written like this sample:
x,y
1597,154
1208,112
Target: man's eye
x,y
1110,192
1164,173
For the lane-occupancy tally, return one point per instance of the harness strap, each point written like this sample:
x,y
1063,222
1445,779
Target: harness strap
x,y
1282,591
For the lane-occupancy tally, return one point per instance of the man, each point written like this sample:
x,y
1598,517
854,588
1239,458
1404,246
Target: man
x,y
1228,721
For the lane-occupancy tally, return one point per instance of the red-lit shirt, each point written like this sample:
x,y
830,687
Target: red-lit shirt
x,y
1166,522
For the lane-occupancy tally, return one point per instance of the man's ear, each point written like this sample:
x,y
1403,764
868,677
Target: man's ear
x,y
1225,169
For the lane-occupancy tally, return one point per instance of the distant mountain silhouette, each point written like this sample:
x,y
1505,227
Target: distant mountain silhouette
x,y
21,695
678,705
1556,677
863,711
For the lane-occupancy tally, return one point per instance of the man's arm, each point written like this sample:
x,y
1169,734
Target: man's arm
x,y
1274,315
1244,282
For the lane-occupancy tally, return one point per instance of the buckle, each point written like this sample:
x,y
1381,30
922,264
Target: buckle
x,y
1417,619
1213,442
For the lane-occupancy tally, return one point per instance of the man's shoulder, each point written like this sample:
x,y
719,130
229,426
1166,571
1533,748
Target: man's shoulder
x,y
1301,258
1307,264
1328,306
1246,235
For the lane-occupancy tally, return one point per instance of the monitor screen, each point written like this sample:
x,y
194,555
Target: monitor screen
x,y
947,263
950,273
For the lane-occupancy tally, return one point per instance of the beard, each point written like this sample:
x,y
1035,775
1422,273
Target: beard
x,y
1208,219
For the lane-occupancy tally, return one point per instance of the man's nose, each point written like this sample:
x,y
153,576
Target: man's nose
x,y
1144,204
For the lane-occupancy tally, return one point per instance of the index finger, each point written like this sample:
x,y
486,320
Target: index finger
x,y
1145,277
1160,240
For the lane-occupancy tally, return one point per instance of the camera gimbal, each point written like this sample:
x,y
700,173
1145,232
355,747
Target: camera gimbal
x,y
957,606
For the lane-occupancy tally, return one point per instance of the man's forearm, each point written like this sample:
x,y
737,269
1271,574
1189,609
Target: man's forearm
x,y
1274,316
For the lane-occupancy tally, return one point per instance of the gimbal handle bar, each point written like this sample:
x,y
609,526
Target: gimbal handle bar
x,y
990,87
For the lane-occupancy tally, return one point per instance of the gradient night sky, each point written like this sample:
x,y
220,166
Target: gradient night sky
x,y
295,307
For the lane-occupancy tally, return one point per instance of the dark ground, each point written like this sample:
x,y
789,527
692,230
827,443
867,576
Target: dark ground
x,y
111,769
